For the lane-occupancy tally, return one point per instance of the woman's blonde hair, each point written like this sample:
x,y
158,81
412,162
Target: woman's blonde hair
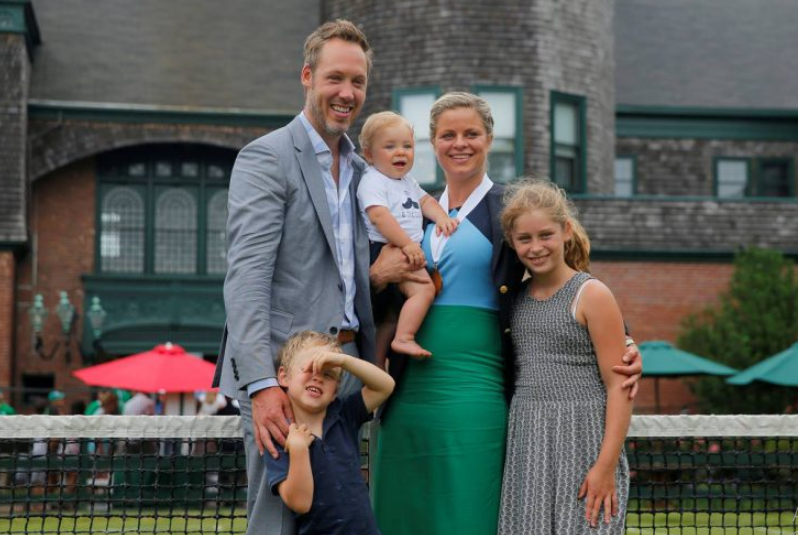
x,y
541,194
455,100
375,122
304,340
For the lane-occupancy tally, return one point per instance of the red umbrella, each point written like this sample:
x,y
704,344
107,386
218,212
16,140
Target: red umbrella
x,y
165,368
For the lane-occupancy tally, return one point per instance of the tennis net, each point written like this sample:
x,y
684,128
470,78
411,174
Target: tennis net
x,y
167,474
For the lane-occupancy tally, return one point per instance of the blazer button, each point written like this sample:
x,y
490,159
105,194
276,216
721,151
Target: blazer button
x,y
507,331
503,289
333,330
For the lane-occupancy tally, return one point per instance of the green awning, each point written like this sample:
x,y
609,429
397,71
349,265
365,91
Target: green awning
x,y
661,359
780,369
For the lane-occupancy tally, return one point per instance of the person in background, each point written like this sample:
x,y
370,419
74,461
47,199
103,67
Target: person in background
x,y
56,403
5,408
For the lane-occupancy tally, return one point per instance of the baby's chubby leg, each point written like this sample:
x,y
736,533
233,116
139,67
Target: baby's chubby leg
x,y
419,298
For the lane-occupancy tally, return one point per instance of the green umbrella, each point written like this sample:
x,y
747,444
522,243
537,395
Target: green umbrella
x,y
780,369
661,359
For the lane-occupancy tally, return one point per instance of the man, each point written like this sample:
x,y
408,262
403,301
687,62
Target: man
x,y
298,252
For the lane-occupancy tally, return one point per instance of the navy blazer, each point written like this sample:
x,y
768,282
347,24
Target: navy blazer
x,y
507,273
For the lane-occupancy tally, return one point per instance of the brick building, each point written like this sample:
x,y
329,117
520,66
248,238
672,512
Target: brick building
x,y
673,124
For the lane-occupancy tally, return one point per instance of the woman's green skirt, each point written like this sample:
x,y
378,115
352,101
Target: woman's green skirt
x,y
440,454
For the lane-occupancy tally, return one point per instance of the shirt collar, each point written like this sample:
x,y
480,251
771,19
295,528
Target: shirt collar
x,y
319,146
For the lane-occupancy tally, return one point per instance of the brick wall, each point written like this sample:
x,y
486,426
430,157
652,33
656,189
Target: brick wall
x,y
7,270
540,46
654,297
62,223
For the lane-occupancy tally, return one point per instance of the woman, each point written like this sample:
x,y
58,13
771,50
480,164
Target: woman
x,y
438,467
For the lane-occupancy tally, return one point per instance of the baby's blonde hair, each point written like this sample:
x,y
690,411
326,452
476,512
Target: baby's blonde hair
x,y
377,121
304,340
541,194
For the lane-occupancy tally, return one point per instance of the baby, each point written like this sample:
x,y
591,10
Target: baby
x,y
393,206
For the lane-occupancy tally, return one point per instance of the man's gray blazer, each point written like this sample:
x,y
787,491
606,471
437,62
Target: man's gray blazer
x,y
283,274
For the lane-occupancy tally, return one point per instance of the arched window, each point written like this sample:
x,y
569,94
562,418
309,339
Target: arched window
x,y
175,232
217,233
122,230
163,210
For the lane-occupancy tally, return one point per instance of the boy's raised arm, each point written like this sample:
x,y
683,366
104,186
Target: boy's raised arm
x,y
377,384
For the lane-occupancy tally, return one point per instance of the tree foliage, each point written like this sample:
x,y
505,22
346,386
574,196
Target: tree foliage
x,y
756,318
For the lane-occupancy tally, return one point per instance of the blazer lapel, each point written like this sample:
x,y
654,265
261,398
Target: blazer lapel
x,y
311,174
495,208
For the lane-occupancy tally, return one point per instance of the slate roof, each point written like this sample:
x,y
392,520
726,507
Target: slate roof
x,y
707,53
197,53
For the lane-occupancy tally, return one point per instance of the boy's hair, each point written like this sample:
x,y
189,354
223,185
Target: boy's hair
x,y
338,29
541,194
456,100
377,121
304,340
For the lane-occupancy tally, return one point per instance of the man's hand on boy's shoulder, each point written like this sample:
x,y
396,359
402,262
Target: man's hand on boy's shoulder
x,y
299,437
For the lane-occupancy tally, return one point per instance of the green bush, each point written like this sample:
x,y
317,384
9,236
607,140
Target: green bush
x,y
756,318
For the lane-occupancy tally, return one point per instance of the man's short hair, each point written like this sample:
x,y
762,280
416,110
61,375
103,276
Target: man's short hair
x,y
338,29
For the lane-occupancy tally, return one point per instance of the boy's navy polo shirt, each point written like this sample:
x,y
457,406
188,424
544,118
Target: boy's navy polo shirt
x,y
340,496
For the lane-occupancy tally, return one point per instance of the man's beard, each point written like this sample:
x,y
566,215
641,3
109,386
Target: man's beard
x,y
320,118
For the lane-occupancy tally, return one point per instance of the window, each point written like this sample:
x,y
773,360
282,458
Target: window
x,y
568,142
414,105
163,210
506,157
624,176
732,177
736,178
775,178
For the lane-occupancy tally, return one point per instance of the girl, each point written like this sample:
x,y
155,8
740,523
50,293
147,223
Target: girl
x,y
569,414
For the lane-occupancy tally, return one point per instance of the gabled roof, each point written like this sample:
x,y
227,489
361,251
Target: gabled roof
x,y
707,53
196,53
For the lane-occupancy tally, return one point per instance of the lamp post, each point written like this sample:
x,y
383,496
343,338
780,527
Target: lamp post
x,y
67,315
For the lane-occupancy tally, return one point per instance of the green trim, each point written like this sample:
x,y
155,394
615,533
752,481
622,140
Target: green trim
x,y
139,113
633,158
685,111
518,142
675,255
685,198
17,16
396,96
581,104
706,123
145,310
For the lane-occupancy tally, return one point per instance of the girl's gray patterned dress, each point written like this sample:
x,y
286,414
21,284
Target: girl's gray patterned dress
x,y
556,421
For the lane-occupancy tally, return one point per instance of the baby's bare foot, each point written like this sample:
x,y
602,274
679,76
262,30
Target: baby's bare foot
x,y
410,347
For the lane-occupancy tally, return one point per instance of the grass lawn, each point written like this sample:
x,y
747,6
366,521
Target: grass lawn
x,y
711,524
636,524
130,524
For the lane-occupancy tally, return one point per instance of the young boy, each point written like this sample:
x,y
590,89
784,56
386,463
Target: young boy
x,y
317,474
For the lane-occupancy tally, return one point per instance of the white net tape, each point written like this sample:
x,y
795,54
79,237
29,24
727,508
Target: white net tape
x,y
19,427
